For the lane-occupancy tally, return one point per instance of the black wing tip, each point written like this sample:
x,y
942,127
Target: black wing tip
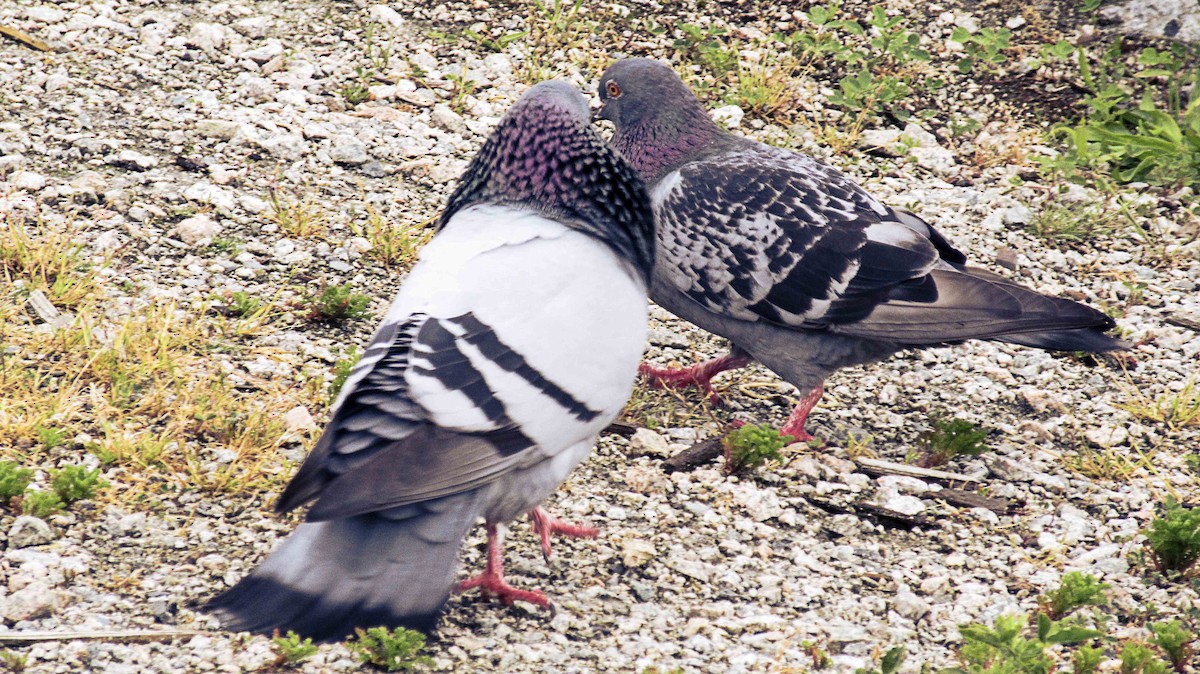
x,y
1090,340
264,605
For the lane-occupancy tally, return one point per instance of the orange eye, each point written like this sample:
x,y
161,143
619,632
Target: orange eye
x,y
613,90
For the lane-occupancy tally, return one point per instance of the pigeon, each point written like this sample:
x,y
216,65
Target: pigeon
x,y
796,264
514,340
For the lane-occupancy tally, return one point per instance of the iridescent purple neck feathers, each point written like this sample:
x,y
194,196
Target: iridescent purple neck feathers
x,y
659,123
544,155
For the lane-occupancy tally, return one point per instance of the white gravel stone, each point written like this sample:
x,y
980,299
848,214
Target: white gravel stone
x,y
646,441
349,151
729,116
197,230
208,193
27,180
445,118
209,37
217,128
36,600
28,531
636,552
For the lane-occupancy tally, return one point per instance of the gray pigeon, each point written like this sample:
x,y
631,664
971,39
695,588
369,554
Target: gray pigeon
x,y
798,266
512,343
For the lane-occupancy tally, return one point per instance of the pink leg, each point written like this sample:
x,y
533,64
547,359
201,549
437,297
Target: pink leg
x,y
546,525
699,375
795,423
491,582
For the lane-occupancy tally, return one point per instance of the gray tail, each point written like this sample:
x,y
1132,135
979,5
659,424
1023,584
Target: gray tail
x,y
394,568
950,305
1090,340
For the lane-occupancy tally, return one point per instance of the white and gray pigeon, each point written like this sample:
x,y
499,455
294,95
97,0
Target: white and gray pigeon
x,y
514,340
797,265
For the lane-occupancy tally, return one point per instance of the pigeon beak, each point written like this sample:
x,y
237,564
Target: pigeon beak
x,y
598,114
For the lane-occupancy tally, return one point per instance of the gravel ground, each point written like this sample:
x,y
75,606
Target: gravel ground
x,y
158,128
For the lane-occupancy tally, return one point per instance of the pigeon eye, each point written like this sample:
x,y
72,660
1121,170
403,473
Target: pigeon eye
x,y
613,90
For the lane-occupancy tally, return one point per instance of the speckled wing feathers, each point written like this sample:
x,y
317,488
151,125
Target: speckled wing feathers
x,y
763,234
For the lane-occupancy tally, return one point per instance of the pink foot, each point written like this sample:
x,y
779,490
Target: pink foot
x,y
491,582
799,417
546,525
699,375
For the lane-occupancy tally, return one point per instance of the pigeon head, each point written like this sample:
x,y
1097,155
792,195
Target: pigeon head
x,y
659,123
544,155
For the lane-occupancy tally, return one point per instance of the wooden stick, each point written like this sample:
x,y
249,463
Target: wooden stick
x,y
20,638
41,306
885,516
969,499
621,428
698,454
877,467
24,38
1183,322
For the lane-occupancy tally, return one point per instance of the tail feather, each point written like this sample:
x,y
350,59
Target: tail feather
x,y
394,568
1090,340
952,305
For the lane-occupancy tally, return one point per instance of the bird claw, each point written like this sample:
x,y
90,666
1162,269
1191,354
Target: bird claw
x,y
546,525
492,585
679,377
699,375
799,416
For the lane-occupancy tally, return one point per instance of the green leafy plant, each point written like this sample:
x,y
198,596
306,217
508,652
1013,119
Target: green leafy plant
x,y
1144,128
392,650
1176,641
51,437
820,658
338,303
76,483
341,372
1078,589
984,48
1006,648
41,503
496,44
889,664
242,304
290,648
751,446
357,91
1139,658
13,662
463,87
1087,659
1060,224
949,439
706,47
226,245
13,480
1173,539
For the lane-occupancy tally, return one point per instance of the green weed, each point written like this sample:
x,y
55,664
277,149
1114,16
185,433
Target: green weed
x,y
751,446
889,663
949,439
341,371
76,483
1078,589
984,49
339,303
1008,648
1174,640
291,649
1173,539
393,650
1139,658
13,480
41,504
